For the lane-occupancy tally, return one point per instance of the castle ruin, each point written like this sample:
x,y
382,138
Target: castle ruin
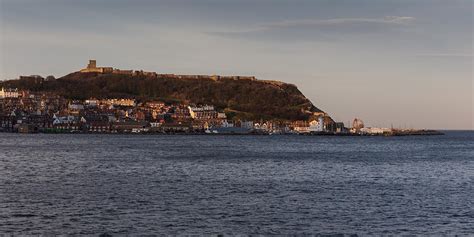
x,y
92,67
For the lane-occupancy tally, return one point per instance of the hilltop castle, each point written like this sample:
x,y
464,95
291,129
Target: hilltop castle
x,y
92,67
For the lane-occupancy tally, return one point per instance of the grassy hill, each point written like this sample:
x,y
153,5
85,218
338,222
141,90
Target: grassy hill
x,y
249,99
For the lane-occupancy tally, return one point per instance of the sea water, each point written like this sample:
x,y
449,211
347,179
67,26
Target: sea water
x,y
210,185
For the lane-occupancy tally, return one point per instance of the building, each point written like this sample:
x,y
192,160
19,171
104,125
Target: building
x,y
317,126
375,131
92,67
340,128
155,104
204,112
121,102
6,123
91,103
75,106
247,124
313,126
180,113
123,72
9,93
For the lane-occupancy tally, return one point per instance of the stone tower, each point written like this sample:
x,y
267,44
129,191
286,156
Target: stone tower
x,y
92,64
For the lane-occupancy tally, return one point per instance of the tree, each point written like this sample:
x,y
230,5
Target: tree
x,y
50,78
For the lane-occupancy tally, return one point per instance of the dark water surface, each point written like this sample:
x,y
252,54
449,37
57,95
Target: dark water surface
x,y
124,184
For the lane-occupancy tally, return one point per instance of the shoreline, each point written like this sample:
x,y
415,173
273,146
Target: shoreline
x,y
258,133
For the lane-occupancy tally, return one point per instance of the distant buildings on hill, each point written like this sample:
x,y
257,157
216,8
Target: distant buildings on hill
x,y
25,111
92,67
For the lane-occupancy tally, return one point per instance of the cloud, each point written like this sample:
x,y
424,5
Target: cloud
x,y
388,20
443,55
340,21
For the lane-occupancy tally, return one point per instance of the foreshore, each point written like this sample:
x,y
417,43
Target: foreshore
x,y
395,133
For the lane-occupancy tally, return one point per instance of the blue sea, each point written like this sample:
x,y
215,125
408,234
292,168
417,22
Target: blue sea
x,y
82,184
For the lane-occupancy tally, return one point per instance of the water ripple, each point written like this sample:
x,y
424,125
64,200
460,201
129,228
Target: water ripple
x,y
211,185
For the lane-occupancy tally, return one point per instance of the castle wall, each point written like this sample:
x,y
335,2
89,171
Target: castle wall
x,y
92,67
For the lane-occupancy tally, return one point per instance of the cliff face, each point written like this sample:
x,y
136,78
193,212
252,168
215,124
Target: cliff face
x,y
249,99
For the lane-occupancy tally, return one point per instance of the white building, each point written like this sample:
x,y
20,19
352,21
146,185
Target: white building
x,y
76,106
155,124
314,126
226,124
202,112
91,103
221,116
9,93
121,102
63,120
317,126
371,130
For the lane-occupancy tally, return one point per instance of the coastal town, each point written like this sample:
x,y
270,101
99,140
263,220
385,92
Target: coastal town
x,y
26,111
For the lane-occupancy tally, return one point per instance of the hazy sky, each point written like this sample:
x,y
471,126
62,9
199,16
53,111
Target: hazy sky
x,y
401,62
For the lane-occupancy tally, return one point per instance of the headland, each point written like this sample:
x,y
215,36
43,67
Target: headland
x,y
110,100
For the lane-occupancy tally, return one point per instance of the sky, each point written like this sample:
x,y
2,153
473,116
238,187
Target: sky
x,y
400,63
